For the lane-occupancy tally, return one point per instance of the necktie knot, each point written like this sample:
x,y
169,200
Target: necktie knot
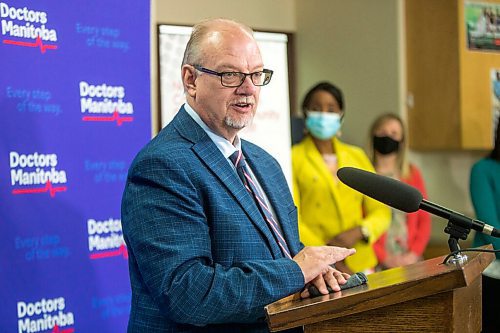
x,y
238,159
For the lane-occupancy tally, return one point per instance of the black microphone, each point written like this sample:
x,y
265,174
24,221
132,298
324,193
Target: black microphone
x,y
404,197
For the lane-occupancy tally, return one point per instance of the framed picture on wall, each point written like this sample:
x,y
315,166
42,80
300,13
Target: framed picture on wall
x,y
482,24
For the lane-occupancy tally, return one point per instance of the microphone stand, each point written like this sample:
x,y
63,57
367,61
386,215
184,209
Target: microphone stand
x,y
457,229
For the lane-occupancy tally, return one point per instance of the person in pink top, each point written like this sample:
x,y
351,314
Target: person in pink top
x,y
408,235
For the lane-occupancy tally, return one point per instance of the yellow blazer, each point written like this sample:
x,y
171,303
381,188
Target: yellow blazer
x,y
327,207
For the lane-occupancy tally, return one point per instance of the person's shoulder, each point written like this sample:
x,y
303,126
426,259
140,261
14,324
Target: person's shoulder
x,y
252,148
167,144
352,150
482,163
300,147
354,156
414,175
167,139
414,170
300,152
349,147
486,164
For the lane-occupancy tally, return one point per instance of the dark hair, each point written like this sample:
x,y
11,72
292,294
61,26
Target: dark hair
x,y
495,153
324,86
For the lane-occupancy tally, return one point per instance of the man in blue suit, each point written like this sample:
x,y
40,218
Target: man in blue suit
x,y
206,253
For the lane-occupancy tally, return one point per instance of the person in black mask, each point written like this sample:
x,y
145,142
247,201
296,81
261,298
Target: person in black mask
x,y
408,234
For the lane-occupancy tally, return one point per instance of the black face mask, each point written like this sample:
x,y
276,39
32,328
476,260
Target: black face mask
x,y
385,145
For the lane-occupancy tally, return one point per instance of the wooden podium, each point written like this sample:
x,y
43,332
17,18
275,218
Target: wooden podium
x,y
424,297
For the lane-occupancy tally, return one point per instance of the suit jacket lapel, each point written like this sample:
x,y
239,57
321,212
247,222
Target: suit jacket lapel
x,y
266,178
211,156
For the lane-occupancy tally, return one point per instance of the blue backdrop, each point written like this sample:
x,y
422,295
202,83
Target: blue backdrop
x,y
75,104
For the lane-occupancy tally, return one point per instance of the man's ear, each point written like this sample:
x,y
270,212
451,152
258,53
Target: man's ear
x,y
189,80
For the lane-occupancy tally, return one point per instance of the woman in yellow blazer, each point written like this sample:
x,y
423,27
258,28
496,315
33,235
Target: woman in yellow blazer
x,y
330,212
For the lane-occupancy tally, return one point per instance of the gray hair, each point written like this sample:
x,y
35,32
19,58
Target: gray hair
x,y
193,53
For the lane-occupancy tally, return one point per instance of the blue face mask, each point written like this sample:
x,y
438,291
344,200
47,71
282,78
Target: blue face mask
x,y
323,125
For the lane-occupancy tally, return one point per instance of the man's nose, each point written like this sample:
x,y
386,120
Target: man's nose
x,y
247,87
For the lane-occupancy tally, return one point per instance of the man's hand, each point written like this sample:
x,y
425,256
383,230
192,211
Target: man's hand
x,y
333,278
315,261
341,266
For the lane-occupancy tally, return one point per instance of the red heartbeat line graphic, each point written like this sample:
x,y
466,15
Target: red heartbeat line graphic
x,y
38,43
122,250
116,116
56,329
48,188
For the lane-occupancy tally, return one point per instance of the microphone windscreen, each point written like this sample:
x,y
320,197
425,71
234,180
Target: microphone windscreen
x,y
384,189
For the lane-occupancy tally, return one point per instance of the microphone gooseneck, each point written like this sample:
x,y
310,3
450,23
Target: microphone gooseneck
x,y
405,197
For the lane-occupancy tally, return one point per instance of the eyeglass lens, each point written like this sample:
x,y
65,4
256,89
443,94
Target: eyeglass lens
x,y
236,78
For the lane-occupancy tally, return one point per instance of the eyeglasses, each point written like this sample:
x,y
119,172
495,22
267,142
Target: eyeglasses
x,y
236,79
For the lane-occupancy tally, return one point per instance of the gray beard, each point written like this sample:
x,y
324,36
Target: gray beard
x,y
230,122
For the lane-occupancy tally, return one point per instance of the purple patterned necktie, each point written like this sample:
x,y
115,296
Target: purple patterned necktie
x,y
241,167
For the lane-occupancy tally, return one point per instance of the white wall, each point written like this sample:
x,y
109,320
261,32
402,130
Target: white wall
x,y
353,44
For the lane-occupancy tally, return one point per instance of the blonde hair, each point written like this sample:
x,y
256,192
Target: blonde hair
x,y
403,164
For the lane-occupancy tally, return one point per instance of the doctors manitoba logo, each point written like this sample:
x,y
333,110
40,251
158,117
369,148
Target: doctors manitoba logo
x,y
36,173
105,103
23,26
45,315
106,239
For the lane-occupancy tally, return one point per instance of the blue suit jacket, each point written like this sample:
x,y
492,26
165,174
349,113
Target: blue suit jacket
x,y
201,257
